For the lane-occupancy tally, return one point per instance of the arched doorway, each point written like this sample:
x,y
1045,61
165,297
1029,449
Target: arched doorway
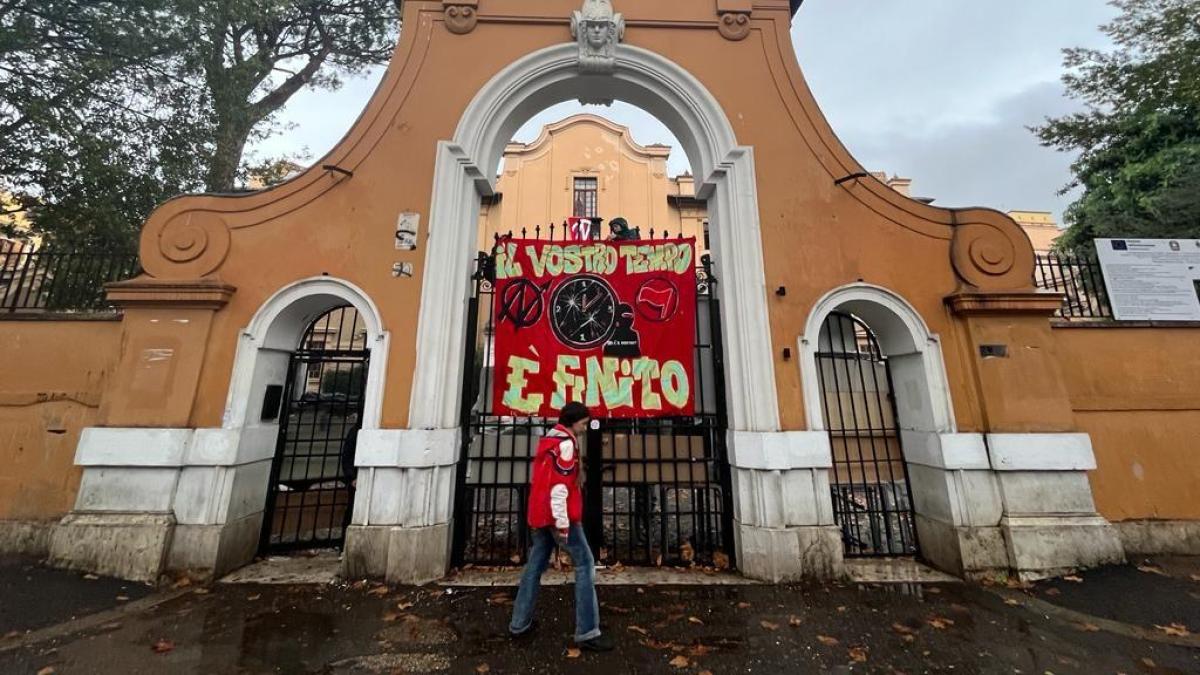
x,y
869,485
874,380
725,171
310,496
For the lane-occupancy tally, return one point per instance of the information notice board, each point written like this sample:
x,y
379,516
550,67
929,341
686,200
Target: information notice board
x,y
1152,279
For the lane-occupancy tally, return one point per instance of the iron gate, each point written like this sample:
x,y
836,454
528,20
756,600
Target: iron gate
x,y
311,492
656,491
872,499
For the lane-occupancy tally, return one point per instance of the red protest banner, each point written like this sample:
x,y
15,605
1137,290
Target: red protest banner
x,y
609,324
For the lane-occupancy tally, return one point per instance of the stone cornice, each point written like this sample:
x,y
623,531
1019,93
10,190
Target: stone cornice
x,y
1005,302
147,292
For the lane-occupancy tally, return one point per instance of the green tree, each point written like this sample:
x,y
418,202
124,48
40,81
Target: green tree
x,y
1138,136
109,107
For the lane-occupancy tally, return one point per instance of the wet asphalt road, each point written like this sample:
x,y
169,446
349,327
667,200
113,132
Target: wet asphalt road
x,y
750,629
365,628
32,596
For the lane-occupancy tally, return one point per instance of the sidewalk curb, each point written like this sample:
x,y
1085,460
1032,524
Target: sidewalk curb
x,y
1108,625
89,621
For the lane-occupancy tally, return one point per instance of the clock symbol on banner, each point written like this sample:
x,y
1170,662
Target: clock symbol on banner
x,y
583,312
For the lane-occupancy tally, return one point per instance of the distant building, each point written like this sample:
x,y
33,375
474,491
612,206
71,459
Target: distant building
x,y
1041,227
587,166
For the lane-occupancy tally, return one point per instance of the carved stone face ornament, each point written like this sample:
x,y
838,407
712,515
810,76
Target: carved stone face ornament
x,y
597,29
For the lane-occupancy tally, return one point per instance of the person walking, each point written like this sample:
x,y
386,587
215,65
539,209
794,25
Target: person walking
x,y
555,516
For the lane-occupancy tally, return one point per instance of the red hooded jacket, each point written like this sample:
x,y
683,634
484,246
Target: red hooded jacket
x,y
554,497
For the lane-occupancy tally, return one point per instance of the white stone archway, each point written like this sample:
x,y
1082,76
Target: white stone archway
x,y
464,173
915,355
954,492
780,530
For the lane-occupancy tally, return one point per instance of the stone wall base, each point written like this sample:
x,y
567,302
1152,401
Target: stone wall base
x,y
211,551
400,555
1147,537
26,537
1045,546
126,545
785,554
967,551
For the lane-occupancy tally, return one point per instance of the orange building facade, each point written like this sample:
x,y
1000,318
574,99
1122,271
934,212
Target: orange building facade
x,y
994,418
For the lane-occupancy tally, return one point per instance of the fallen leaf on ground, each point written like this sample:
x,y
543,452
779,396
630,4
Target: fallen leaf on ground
x,y
162,646
1149,662
617,609
698,622
90,577
1010,601
201,591
794,620
655,644
705,672
500,599
391,616
404,605
826,640
902,629
1088,627
254,597
858,654
11,634
940,622
183,582
699,650
483,668
680,661
122,598
720,560
638,629
743,605
1176,629
687,552
1152,569
1073,579
1053,591
573,652
378,590
48,670
768,625
933,589
515,558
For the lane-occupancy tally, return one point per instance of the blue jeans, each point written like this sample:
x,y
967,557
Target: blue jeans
x,y
587,609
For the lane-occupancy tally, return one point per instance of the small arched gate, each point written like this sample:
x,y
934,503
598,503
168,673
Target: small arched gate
x,y
872,498
311,493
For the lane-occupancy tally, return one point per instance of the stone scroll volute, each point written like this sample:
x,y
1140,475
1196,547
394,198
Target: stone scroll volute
x,y
187,245
991,252
733,19
461,15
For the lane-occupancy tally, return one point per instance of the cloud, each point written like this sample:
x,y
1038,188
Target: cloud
x,y
995,162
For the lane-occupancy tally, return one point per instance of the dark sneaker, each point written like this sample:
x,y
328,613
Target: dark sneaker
x,y
600,643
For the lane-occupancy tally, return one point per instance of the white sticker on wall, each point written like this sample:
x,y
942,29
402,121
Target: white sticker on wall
x,y
406,231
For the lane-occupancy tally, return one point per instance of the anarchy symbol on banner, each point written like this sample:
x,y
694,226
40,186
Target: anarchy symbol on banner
x,y
521,303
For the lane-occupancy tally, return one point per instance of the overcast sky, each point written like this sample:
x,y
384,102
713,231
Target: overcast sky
x,y
936,90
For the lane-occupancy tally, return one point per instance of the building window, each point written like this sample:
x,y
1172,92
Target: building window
x,y
585,198
706,245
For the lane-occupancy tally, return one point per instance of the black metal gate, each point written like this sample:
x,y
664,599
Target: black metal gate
x,y
311,492
872,499
656,491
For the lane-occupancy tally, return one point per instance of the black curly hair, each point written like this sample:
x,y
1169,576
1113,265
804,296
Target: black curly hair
x,y
572,413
